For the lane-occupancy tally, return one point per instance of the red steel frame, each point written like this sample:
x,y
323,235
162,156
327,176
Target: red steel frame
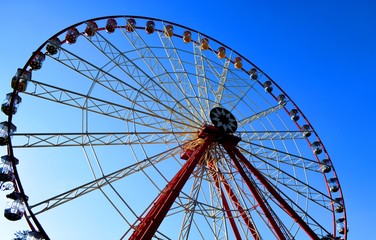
x,y
225,204
148,225
219,178
276,228
289,210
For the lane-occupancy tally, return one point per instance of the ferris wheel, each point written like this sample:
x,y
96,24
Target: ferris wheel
x,y
138,128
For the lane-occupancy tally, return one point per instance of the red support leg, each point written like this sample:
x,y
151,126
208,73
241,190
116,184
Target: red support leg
x,y
255,193
242,212
235,200
150,223
225,204
275,194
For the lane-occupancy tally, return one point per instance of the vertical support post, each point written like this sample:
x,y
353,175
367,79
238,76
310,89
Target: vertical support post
x,y
235,200
230,148
289,210
225,203
150,223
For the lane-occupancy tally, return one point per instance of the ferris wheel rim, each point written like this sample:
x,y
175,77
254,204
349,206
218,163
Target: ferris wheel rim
x,y
155,19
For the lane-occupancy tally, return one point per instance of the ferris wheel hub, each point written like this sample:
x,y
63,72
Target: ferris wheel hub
x,y
223,119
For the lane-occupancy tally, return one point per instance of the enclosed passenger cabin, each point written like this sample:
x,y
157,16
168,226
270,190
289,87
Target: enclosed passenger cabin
x,y
338,205
72,35
333,184
15,208
168,30
205,44
4,130
253,74
37,61
326,166
187,36
281,100
341,228
6,169
316,147
306,129
221,53
150,27
111,25
6,172
20,80
131,25
53,46
268,86
238,62
91,28
294,115
9,109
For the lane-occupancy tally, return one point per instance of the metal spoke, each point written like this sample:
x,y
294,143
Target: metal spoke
x,y
202,93
95,139
260,115
101,182
222,81
96,105
249,136
116,85
183,80
192,204
140,76
294,184
280,156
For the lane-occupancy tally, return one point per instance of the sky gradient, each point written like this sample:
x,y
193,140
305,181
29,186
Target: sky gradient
x,y
322,54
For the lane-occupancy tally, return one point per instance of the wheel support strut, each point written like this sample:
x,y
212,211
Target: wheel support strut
x,y
255,193
233,151
226,205
150,223
219,178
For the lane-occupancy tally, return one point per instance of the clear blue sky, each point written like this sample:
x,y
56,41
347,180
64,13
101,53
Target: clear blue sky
x,y
322,53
